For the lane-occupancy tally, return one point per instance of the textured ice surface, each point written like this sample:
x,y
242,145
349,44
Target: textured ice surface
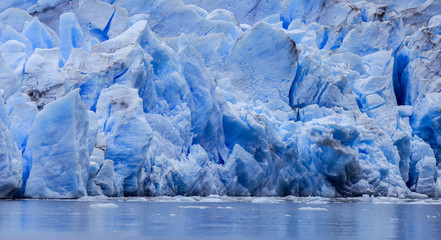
x,y
248,98
256,66
10,157
127,135
59,155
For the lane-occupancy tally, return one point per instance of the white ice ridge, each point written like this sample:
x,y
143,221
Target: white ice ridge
x,y
125,98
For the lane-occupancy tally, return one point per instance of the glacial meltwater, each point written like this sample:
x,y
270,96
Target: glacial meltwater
x,y
221,218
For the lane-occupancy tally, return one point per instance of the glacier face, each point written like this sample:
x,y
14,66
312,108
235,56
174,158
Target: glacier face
x,y
188,97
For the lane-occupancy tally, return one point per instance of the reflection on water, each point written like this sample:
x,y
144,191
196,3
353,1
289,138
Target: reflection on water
x,y
43,219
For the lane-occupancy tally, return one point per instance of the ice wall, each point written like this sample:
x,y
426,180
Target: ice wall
x,y
186,97
58,159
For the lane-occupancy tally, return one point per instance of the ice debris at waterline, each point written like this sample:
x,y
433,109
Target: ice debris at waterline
x,y
245,98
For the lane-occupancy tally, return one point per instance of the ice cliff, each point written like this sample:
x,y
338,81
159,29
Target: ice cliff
x,y
190,97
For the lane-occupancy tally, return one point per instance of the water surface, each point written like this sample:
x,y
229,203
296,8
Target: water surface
x,y
220,218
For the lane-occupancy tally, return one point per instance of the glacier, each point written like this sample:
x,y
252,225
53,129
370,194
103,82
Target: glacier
x,y
329,98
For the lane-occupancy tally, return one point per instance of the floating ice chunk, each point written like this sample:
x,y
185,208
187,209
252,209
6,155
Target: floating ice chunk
x,y
318,201
59,152
194,207
312,209
227,207
212,199
267,200
264,63
93,198
139,199
104,205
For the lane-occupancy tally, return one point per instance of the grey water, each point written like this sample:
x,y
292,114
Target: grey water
x,y
233,219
